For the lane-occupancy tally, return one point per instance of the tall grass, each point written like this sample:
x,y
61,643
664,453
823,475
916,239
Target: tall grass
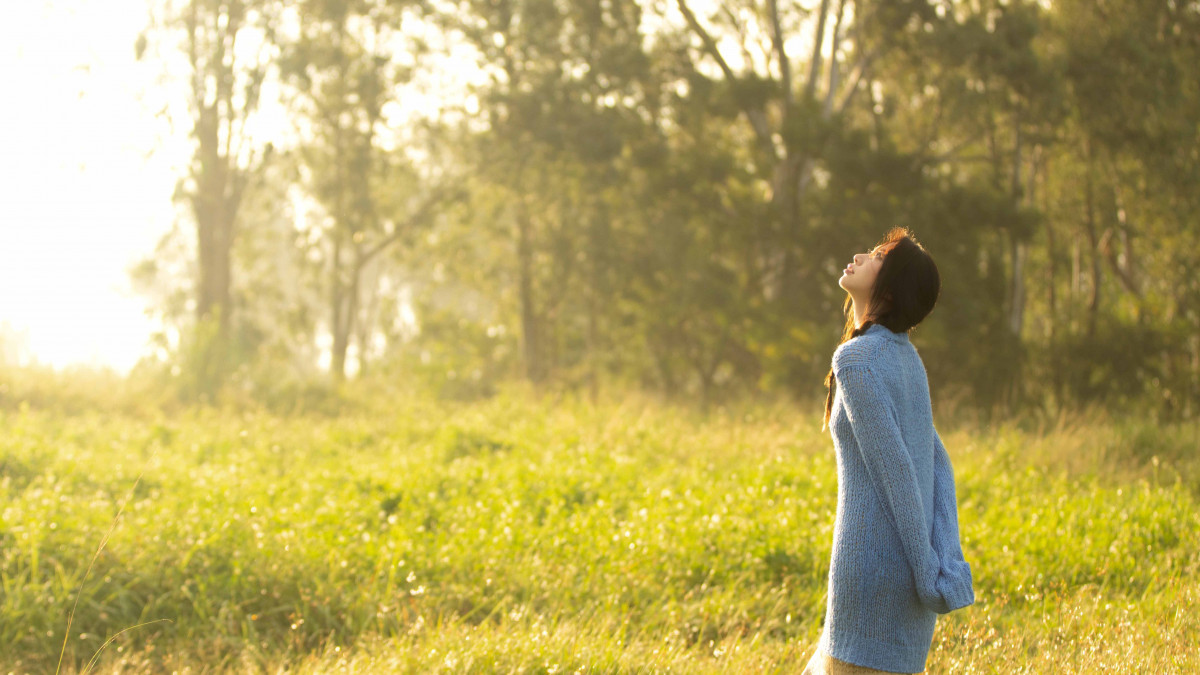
x,y
536,536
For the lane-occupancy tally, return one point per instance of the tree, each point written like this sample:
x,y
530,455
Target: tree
x,y
553,115
344,72
225,83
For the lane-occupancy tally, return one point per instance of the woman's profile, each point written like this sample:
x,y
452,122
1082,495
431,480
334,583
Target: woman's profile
x,y
897,562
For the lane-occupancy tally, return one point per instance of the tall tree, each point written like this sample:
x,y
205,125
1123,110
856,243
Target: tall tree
x,y
750,43
227,47
560,73
345,70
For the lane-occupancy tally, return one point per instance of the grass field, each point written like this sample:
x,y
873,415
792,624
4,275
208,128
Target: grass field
x,y
515,536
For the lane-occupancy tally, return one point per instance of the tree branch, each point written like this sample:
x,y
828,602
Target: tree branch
x,y
710,45
814,68
740,27
833,59
423,211
757,119
785,65
860,70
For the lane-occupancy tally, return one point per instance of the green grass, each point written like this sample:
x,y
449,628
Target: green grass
x,y
522,536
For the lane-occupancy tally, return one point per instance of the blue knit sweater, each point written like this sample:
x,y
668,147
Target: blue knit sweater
x,y
897,562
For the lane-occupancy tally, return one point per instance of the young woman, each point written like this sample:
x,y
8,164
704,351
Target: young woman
x,y
897,562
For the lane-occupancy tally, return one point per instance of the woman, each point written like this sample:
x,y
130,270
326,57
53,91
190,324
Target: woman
x,y
896,561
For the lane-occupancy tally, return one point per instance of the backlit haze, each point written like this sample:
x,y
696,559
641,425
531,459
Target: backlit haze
x,y
88,165
85,191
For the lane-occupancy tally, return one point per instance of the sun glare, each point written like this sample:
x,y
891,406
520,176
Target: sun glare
x,y
84,194
88,165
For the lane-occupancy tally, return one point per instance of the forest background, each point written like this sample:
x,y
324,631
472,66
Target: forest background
x,y
661,195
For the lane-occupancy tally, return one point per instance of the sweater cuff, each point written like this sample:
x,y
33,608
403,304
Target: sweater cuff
x,y
955,586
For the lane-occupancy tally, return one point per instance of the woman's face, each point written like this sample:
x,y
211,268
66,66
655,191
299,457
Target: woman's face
x,y
859,276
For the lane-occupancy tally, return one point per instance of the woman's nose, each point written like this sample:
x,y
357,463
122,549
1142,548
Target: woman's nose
x,y
857,257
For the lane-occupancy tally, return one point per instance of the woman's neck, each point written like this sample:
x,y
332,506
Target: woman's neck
x,y
860,314
863,314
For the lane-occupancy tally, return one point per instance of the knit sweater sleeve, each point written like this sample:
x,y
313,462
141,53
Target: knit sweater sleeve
x,y
957,576
943,583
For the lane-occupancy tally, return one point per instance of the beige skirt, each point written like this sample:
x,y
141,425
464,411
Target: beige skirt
x,y
822,663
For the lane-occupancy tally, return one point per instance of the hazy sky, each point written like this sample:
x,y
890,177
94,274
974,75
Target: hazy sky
x,y
86,175
82,194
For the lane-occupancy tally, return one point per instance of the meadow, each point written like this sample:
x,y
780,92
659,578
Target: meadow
x,y
551,536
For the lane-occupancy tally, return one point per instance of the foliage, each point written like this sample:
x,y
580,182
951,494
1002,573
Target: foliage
x,y
656,195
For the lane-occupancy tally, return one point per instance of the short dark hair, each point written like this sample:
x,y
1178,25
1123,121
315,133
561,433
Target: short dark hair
x,y
908,284
905,291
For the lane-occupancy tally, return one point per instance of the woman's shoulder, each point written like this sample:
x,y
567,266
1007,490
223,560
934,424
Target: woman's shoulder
x,y
861,351
868,350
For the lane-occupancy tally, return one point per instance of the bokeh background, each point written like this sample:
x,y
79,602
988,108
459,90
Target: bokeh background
x,y
274,197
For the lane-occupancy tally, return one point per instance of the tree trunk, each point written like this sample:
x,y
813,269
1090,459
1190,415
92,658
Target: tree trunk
x,y
343,293
662,362
787,206
529,329
365,319
337,314
218,180
1051,276
1016,317
1094,244
214,240
1051,271
345,311
595,291
1194,384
